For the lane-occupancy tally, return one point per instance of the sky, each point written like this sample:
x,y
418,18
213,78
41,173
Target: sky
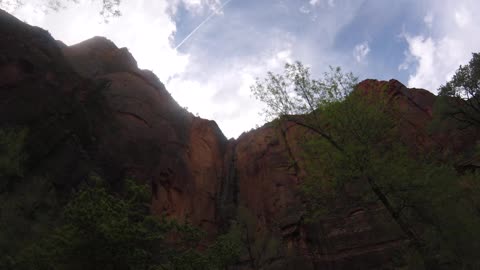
x,y
209,52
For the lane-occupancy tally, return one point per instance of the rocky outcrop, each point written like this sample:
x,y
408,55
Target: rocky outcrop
x,y
153,139
89,108
356,235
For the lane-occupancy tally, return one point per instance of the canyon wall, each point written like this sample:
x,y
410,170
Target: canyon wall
x,y
88,107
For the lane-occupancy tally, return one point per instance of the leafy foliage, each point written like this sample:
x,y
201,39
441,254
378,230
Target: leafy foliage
x,y
465,87
97,228
260,245
26,215
227,248
359,124
223,252
102,230
353,141
294,92
12,154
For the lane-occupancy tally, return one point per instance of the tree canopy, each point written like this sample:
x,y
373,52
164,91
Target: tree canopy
x,y
101,229
465,88
352,138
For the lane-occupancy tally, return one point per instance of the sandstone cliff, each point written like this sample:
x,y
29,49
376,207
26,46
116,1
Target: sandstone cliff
x,y
89,107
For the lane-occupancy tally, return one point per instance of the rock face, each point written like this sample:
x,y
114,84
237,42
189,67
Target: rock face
x,y
154,140
357,235
89,107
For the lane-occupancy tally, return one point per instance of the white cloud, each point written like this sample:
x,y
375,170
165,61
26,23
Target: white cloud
x,y
330,3
407,62
144,28
9,5
304,10
225,95
199,7
462,17
214,75
361,51
437,57
436,60
428,20
220,91
423,51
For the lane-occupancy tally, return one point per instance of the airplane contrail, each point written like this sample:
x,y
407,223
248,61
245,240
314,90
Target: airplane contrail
x,y
202,23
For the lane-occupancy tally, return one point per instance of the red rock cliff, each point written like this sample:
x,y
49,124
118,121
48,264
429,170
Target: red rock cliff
x,y
195,173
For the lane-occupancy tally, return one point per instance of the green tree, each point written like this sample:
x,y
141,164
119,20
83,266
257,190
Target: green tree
x,y
100,230
353,138
295,93
258,244
223,252
465,88
12,154
97,229
226,250
105,230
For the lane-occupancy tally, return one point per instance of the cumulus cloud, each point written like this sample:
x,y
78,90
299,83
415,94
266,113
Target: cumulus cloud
x,y
199,7
9,5
212,72
428,20
304,10
227,92
436,60
437,56
232,50
361,51
330,3
462,17
144,28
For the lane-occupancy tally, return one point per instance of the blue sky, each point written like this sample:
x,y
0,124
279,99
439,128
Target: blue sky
x,y
420,43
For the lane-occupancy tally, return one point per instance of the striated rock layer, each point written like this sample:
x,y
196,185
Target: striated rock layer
x,y
88,107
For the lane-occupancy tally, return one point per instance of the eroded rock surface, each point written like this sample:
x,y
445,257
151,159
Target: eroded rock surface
x,y
153,139
90,108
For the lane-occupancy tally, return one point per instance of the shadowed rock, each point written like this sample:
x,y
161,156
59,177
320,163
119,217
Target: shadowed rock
x,y
88,107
